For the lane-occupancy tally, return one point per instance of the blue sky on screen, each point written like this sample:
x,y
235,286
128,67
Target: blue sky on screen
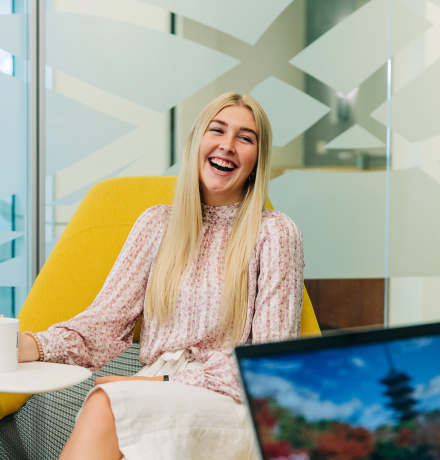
x,y
344,383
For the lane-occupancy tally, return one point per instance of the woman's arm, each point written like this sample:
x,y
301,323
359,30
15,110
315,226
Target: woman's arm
x,y
105,329
117,378
279,301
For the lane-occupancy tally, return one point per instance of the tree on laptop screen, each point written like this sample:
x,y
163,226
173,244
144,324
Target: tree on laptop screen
x,y
372,402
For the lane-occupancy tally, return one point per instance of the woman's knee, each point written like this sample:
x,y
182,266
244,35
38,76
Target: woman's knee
x,y
94,435
97,410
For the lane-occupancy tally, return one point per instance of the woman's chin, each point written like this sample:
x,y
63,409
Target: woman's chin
x,y
218,191
218,184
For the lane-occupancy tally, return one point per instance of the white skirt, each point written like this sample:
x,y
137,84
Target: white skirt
x,y
171,421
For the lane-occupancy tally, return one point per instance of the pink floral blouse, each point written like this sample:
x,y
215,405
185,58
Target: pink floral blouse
x,y
105,329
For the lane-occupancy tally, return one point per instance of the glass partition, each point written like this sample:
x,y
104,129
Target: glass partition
x,y
414,219
319,70
352,91
109,110
13,156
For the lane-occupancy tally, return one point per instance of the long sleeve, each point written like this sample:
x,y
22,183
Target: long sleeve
x,y
105,329
280,286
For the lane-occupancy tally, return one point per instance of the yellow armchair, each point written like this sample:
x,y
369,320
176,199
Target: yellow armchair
x,y
83,257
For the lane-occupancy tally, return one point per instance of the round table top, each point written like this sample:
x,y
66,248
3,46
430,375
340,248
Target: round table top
x,y
39,377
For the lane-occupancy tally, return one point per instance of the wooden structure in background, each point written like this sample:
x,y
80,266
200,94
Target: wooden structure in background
x,y
346,303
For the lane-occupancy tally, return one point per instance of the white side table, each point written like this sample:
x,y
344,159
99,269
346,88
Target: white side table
x,y
38,377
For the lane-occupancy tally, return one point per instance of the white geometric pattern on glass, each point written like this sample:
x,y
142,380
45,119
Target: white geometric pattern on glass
x,y
79,194
151,68
6,62
355,137
414,226
342,219
9,236
355,48
13,272
74,131
108,103
13,34
415,109
104,162
131,11
140,147
173,170
246,20
290,111
13,97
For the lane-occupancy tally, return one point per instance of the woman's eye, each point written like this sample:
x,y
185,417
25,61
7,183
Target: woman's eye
x,y
217,130
248,139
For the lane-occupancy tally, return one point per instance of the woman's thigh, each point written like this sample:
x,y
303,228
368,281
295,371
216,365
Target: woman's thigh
x,y
160,405
174,419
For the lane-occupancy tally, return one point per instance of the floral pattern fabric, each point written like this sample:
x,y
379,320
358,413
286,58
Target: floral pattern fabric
x,y
105,329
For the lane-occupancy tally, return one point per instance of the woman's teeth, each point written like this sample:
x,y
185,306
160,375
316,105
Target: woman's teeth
x,y
221,165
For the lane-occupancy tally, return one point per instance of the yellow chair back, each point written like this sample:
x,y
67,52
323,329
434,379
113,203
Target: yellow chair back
x,y
83,257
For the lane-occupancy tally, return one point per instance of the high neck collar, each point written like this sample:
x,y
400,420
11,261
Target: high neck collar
x,y
219,214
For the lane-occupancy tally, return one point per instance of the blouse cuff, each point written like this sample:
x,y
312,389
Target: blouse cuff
x,y
197,377
53,347
194,377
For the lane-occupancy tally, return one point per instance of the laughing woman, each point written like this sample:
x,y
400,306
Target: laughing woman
x,y
214,270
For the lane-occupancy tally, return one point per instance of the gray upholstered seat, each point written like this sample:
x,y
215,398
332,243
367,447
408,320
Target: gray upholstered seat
x,y
39,430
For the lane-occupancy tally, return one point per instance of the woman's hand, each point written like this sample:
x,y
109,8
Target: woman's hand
x,y
27,349
115,378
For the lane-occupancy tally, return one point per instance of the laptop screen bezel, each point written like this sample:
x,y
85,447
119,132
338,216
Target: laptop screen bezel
x,y
336,340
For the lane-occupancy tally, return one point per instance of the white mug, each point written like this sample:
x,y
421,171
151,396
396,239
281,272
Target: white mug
x,y
9,330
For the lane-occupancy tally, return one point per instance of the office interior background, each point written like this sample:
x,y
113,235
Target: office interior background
x,y
95,89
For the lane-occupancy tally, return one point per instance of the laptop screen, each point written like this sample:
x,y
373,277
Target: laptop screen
x,y
371,401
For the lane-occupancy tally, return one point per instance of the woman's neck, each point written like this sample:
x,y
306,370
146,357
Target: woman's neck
x,y
217,200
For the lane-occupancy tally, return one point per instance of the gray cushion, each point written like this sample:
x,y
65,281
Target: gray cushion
x,y
39,430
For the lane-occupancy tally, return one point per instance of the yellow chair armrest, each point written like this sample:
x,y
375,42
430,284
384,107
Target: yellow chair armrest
x,y
309,323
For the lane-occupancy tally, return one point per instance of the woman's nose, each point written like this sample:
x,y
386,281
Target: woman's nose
x,y
227,144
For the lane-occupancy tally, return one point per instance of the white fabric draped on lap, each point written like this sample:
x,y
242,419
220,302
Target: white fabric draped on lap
x,y
172,421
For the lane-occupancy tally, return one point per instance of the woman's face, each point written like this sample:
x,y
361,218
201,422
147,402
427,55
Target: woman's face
x,y
228,155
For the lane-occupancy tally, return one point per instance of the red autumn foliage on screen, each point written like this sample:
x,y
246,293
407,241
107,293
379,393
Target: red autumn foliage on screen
x,y
344,442
405,437
263,414
277,449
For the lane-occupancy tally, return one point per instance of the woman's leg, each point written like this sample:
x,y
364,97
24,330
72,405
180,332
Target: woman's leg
x,y
94,436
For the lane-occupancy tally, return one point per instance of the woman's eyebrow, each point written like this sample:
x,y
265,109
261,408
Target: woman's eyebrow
x,y
249,130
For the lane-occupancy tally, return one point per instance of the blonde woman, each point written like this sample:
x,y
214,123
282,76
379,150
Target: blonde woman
x,y
214,270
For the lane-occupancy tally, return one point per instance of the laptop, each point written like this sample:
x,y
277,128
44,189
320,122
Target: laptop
x,y
372,395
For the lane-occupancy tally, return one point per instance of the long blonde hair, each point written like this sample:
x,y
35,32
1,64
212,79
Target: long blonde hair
x,y
179,243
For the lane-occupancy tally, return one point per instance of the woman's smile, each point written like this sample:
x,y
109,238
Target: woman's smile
x,y
222,166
